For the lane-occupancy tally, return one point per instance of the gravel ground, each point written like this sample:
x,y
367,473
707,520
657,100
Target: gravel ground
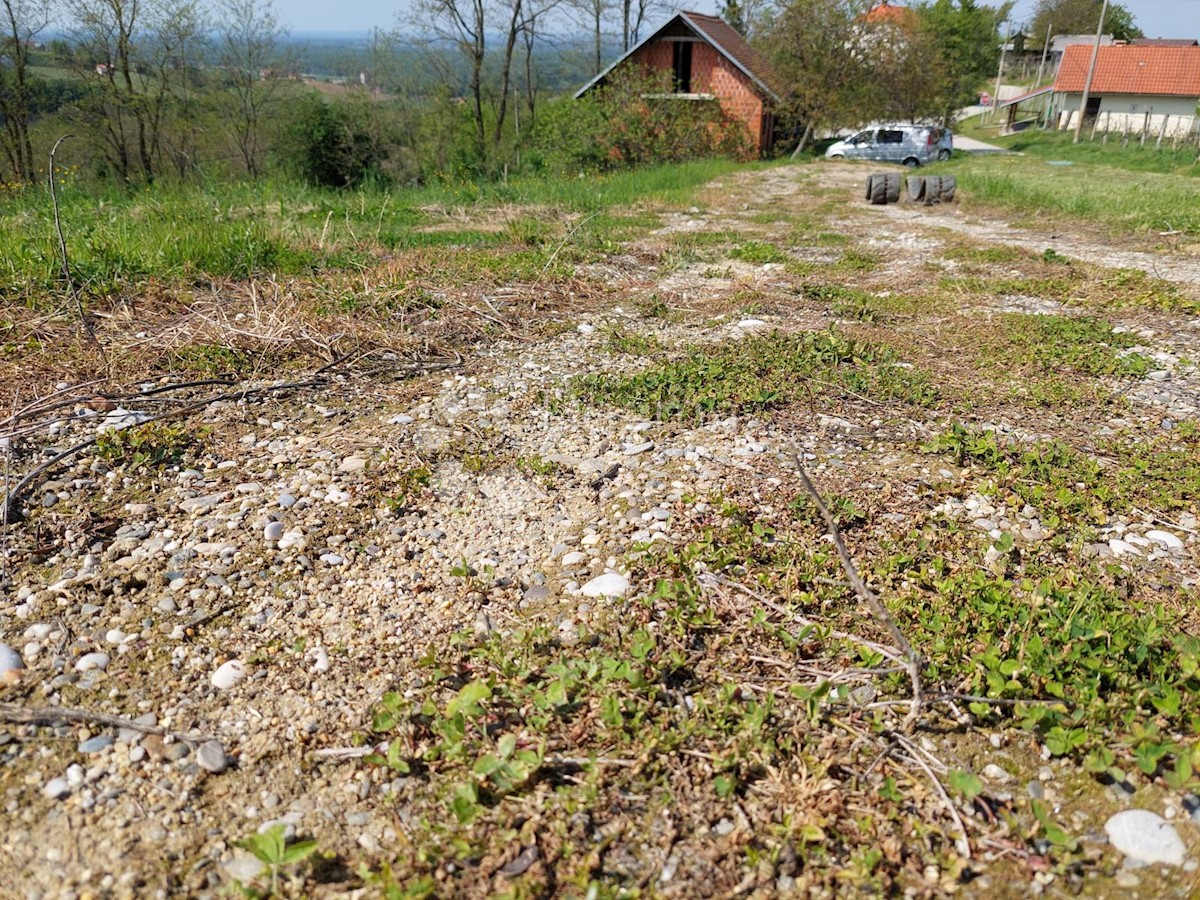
x,y
256,602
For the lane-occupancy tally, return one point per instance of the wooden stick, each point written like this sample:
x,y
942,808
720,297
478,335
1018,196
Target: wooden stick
x,y
60,715
872,601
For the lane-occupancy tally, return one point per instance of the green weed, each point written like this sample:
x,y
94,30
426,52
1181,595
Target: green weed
x,y
759,373
153,445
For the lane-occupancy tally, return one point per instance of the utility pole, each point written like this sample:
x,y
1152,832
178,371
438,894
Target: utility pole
x,y
1041,69
1000,71
1087,84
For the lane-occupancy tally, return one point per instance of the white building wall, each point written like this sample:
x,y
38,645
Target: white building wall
x,y
1128,112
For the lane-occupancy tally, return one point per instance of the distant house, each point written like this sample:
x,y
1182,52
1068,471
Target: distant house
x,y
710,62
1165,42
1060,42
1135,87
887,13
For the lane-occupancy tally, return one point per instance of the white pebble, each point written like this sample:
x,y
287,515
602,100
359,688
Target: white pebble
x,y
273,531
91,661
228,675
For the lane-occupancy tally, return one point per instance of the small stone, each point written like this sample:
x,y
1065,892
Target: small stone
x,y
1123,548
993,772
90,661
635,449
244,868
229,674
352,464
177,751
273,531
286,501
751,324
57,789
1145,837
96,744
1168,540
573,558
11,665
211,757
609,584
49,499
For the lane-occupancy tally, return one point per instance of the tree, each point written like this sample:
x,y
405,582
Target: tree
x,y
23,21
593,13
816,49
964,42
1082,17
250,58
135,56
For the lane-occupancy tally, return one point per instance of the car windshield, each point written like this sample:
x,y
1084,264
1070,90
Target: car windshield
x,y
863,137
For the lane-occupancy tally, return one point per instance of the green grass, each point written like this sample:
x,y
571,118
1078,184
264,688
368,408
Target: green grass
x,y
1100,191
1080,345
759,373
238,230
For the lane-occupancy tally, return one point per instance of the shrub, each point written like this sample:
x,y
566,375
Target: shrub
x,y
633,120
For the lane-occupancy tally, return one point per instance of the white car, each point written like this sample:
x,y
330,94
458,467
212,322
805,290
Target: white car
x,y
907,143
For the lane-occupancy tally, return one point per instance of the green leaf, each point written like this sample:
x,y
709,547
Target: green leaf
x,y
506,745
465,803
298,851
725,785
556,693
395,760
965,783
469,699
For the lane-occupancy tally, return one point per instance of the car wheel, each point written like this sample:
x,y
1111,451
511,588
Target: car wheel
x,y
916,187
948,186
933,190
943,154
878,185
892,182
912,162
837,156
870,186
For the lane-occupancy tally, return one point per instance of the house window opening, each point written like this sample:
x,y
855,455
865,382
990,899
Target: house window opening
x,y
683,67
1093,108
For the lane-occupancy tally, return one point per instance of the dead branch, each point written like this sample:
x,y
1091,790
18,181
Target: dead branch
x,y
65,715
84,324
872,601
964,843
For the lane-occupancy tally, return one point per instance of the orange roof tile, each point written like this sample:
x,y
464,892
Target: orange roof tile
x,y
1130,69
886,13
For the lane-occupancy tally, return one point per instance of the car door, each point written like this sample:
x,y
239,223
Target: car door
x,y
889,145
861,145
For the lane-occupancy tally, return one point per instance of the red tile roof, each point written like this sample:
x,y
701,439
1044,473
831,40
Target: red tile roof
x,y
885,12
1129,69
724,37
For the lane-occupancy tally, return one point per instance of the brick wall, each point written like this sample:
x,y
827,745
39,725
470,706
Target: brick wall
x,y
713,74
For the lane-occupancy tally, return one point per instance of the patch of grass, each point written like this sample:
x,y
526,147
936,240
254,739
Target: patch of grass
x,y
1144,203
996,255
759,373
211,360
620,340
153,445
858,261
1068,485
844,302
759,253
1077,344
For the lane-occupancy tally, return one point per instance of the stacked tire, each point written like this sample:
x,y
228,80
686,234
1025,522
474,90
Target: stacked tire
x,y
884,188
930,189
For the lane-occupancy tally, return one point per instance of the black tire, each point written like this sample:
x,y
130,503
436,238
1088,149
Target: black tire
x,y
892,181
948,187
878,190
871,185
916,187
912,162
933,189
838,156
943,154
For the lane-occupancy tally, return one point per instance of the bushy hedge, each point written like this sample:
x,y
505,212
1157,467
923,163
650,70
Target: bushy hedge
x,y
634,119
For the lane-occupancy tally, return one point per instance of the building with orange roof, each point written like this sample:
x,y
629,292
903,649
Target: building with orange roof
x,y
1135,88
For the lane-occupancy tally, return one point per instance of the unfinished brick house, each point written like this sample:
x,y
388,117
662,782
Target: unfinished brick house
x,y
711,63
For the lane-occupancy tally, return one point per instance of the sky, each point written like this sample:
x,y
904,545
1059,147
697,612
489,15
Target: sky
x,y
1157,18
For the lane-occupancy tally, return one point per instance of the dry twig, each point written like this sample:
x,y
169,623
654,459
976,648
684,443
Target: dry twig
x,y
872,601
61,715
